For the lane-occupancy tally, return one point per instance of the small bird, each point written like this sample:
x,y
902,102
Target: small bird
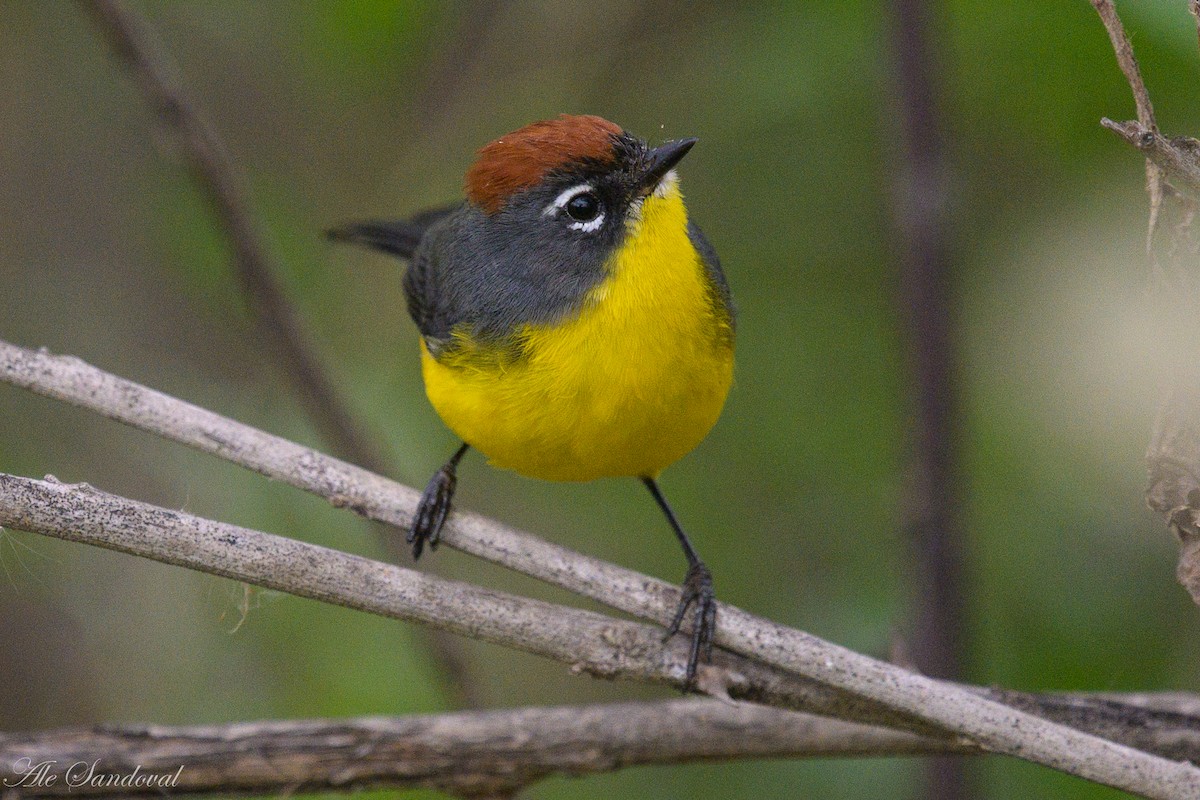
x,y
575,323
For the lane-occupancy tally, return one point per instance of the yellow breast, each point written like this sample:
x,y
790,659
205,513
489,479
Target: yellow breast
x,y
625,387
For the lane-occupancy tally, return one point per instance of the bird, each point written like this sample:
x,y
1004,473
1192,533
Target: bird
x,y
574,321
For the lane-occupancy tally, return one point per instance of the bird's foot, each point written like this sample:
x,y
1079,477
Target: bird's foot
x,y
697,590
432,510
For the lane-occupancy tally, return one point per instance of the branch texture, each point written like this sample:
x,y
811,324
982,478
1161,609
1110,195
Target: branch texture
x,y
466,754
937,706
494,753
1179,157
1141,99
586,641
1173,459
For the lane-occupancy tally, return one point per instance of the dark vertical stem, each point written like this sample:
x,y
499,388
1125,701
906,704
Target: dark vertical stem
x,y
922,249
278,324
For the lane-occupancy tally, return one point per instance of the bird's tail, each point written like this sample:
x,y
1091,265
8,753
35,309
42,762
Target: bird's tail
x,y
398,237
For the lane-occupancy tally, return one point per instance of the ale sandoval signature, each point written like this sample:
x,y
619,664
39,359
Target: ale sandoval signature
x,y
83,774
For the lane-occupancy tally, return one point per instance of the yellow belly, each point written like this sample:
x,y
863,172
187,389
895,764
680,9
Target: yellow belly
x,y
626,387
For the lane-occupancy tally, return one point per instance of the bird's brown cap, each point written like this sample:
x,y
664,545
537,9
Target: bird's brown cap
x,y
519,160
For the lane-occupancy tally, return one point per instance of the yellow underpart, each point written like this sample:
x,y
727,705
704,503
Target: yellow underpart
x,y
625,387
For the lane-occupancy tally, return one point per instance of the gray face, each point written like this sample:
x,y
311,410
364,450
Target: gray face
x,y
533,261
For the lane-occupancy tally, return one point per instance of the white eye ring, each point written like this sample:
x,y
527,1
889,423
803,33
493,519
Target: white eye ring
x,y
566,196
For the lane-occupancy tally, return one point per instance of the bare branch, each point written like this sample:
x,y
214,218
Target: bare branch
x,y
213,171
1164,723
1141,98
465,754
1126,61
586,641
497,752
940,707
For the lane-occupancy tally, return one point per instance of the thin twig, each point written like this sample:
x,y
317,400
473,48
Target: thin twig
x,y
1126,60
276,319
1141,98
213,171
948,708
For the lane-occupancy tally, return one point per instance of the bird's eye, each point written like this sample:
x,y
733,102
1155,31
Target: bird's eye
x,y
583,207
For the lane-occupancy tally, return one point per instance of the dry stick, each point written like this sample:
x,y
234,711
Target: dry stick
x,y
931,518
468,754
1141,98
1126,60
214,174
1165,724
277,321
587,641
463,754
952,709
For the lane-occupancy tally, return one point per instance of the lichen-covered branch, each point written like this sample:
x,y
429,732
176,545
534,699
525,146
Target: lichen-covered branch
x,y
466,754
496,753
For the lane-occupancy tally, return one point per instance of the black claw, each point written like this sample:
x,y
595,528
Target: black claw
x,y
698,591
432,511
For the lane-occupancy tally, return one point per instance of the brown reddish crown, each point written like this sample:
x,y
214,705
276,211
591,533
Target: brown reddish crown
x,y
522,158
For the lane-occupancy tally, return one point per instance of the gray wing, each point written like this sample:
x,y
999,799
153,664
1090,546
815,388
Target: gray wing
x,y
428,304
712,265
501,280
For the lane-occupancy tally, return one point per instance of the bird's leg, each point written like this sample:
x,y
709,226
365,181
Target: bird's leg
x,y
435,505
697,590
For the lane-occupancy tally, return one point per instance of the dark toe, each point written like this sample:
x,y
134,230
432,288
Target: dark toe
x,y
432,512
697,590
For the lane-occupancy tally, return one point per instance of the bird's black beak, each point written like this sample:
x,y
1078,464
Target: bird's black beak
x,y
659,161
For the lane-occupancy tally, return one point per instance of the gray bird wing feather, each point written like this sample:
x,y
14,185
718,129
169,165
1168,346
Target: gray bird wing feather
x,y
723,297
489,279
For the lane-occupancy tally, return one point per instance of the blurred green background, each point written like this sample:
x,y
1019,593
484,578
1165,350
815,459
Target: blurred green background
x,y
336,111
